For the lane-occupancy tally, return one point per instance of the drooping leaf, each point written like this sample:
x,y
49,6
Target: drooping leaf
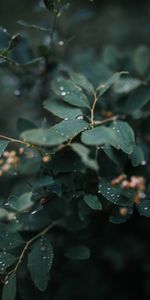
x,y
78,252
144,208
9,288
70,92
57,134
6,260
3,145
93,202
84,152
62,109
40,262
137,156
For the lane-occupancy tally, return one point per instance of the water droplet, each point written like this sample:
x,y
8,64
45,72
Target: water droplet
x,y
143,163
61,88
43,248
66,119
79,117
61,43
146,208
17,93
34,212
63,93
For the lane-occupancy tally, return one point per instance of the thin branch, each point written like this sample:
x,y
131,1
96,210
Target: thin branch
x,y
13,140
113,118
40,234
93,108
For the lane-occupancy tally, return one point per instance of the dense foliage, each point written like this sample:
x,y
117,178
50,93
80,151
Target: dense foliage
x,y
80,153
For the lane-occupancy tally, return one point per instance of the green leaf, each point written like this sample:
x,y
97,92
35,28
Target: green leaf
x,y
84,152
139,98
141,60
119,135
3,145
137,156
110,193
24,124
78,252
10,240
70,92
93,202
99,136
55,135
22,203
82,81
124,135
61,109
9,288
6,260
144,208
40,262
104,87
126,85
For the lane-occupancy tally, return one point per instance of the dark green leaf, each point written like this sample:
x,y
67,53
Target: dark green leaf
x,y
70,92
40,262
144,208
137,157
6,260
10,240
61,109
93,202
141,60
9,289
110,193
137,100
57,134
126,85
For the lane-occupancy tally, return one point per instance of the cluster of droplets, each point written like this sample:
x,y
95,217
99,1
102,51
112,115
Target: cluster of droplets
x,y
3,265
109,192
63,92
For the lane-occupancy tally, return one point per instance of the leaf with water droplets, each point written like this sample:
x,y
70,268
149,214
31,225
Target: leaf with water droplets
x,y
9,288
22,203
6,260
40,262
144,208
57,134
124,135
10,240
78,252
93,202
111,194
70,92
3,145
82,81
62,109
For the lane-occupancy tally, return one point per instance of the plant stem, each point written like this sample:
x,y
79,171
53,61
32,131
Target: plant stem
x,y
113,118
40,234
93,108
13,140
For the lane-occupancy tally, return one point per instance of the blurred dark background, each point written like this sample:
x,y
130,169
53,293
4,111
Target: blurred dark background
x,y
122,269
